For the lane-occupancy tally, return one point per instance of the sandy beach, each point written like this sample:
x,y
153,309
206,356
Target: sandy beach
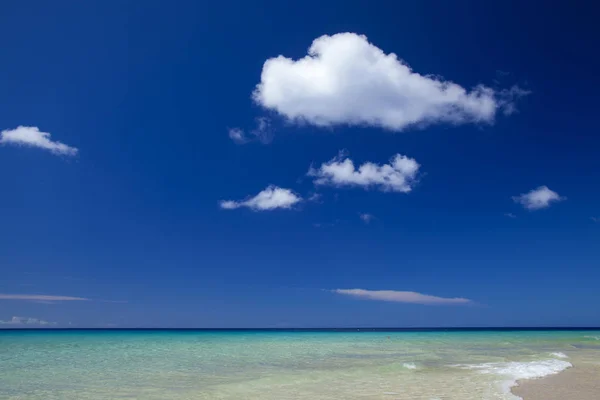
x,y
582,382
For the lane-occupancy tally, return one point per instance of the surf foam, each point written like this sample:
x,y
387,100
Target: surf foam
x,y
409,365
515,371
559,355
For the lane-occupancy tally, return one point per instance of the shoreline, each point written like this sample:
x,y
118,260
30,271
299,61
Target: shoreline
x,y
580,382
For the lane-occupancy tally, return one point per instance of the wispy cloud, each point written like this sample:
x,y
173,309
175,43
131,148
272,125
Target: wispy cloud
x,y
510,215
40,297
31,136
262,132
401,297
541,197
26,321
346,80
595,219
399,175
366,217
271,198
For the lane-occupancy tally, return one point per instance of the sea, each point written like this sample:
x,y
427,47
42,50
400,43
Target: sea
x,y
284,364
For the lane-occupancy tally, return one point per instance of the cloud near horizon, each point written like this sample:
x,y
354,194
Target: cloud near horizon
x,y
31,136
541,197
345,80
397,176
271,198
40,297
26,321
401,297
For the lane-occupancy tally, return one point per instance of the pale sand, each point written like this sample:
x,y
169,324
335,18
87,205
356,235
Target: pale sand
x,y
582,382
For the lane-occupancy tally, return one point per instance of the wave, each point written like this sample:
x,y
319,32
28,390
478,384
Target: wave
x,y
559,355
592,337
515,371
409,365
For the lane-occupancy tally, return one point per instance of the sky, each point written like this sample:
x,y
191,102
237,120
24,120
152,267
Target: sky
x,y
299,164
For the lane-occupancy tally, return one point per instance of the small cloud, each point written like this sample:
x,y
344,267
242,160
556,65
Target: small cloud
x,y
39,297
26,321
397,176
367,218
346,80
401,297
31,136
507,99
262,132
238,136
595,219
315,198
539,198
510,215
271,198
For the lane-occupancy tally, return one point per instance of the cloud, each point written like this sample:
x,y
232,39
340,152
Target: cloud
x,y
345,80
262,132
510,215
401,297
26,321
366,217
39,297
538,198
397,176
31,136
269,199
595,219
238,136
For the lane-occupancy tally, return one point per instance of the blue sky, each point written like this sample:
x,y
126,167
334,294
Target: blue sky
x,y
171,171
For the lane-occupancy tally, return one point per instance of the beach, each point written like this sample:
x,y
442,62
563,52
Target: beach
x,y
581,382
298,365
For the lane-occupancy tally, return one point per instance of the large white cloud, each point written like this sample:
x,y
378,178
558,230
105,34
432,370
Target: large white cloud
x,y
31,136
397,176
271,198
538,198
344,79
26,321
401,297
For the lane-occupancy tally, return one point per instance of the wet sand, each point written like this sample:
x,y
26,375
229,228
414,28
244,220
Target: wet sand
x,y
582,382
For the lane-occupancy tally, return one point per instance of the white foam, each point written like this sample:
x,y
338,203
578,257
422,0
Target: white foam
x,y
516,371
409,365
593,337
559,355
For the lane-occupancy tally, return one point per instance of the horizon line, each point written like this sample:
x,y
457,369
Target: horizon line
x,y
456,328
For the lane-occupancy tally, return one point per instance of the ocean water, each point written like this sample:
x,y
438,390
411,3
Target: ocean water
x,y
228,365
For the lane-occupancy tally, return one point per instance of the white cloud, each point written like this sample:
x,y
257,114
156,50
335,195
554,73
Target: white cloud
x,y
31,136
269,199
26,321
397,176
39,297
345,80
538,198
510,215
401,297
366,217
262,132
238,136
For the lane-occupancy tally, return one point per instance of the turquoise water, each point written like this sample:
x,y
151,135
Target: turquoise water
x,y
282,365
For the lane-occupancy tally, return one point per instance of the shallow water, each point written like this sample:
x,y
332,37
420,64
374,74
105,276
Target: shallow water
x,y
226,365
